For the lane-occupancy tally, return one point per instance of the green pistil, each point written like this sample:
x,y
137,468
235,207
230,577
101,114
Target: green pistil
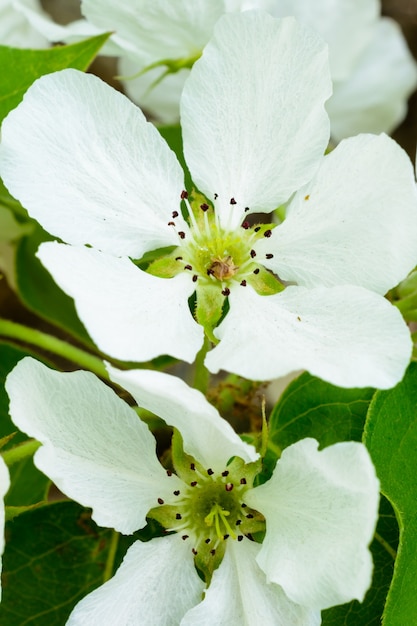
x,y
217,516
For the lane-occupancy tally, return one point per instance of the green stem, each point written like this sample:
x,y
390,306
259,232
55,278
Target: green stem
x,y
36,338
201,373
386,545
19,452
108,570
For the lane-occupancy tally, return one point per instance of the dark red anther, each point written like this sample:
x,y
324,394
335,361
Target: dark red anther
x,y
232,201
226,292
226,537
243,481
195,277
178,258
169,473
238,522
188,267
247,209
194,551
193,484
253,254
213,552
216,195
210,472
246,225
267,233
240,537
225,473
192,467
229,486
210,272
171,223
178,516
181,234
174,214
160,501
204,207
184,194
256,271
207,540
176,493
243,283
257,229
184,537
249,516
269,256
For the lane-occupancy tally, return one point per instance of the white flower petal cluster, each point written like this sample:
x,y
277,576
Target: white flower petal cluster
x,y
4,486
372,69
320,507
93,171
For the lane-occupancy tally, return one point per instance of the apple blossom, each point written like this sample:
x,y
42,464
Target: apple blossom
x,y
372,69
306,294
318,509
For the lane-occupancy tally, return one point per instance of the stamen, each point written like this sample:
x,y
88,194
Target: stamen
x,y
194,483
169,473
243,481
232,201
269,256
174,214
247,209
178,516
192,467
240,537
184,537
188,267
216,195
243,283
246,225
171,223
257,229
178,258
207,540
256,271
181,234
184,194
204,207
226,292
267,233
253,254
229,486
160,501
225,473
210,472
195,278
177,492
194,551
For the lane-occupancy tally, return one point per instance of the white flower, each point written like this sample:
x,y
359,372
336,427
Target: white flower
x,y
93,171
15,29
319,507
4,486
372,69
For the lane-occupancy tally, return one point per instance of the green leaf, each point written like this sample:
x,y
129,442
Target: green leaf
x,y
54,556
25,66
38,290
391,437
310,407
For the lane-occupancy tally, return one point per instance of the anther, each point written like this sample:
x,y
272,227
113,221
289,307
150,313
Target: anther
x,y
174,214
269,256
243,283
188,267
160,501
268,233
181,234
226,292
226,537
178,258
184,537
207,540
192,466
229,486
243,505
256,271
232,201
184,195
213,552
194,551
210,472
246,209
253,254
169,473
225,473
210,272
195,277
178,516
240,537
216,195
249,516
238,522
204,207
246,225
177,492
193,484
243,481
257,229
171,223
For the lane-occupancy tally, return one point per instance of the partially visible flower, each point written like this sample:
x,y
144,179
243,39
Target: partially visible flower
x,y
372,69
16,30
318,509
4,486
306,294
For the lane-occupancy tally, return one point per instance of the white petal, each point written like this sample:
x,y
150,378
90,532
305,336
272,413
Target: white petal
x,y
207,436
321,510
15,30
155,586
355,223
347,27
163,99
348,336
254,127
373,98
4,486
95,448
130,314
240,594
159,29
111,180
42,23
